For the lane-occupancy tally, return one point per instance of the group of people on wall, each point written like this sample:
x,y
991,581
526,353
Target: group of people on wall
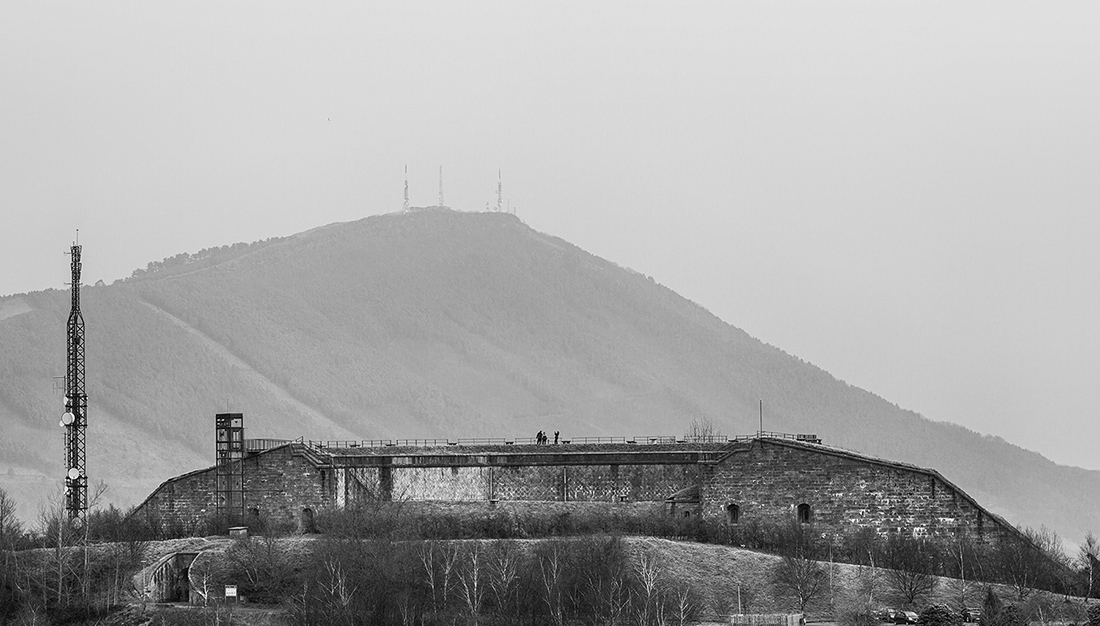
x,y
542,438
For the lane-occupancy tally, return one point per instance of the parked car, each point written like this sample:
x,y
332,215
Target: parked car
x,y
885,615
971,614
905,617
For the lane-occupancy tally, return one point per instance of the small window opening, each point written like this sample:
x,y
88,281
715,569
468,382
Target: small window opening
x,y
804,513
687,513
733,513
254,512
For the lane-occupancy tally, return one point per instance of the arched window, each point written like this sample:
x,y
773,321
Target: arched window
x,y
254,512
733,513
804,513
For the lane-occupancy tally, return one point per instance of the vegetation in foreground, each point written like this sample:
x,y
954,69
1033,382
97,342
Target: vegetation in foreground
x,y
379,564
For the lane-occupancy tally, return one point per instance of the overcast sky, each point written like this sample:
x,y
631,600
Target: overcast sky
x,y
904,194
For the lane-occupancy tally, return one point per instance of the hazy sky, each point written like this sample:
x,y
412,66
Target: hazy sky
x,y
904,194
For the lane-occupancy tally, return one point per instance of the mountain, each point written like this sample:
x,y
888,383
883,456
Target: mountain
x,y
436,323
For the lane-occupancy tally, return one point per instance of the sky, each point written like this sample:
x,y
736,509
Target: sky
x,y
905,194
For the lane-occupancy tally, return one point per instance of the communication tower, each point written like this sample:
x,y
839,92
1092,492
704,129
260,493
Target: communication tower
x,y
75,419
441,186
499,188
406,208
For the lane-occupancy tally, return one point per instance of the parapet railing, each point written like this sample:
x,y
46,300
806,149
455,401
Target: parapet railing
x,y
258,445
253,445
805,438
520,441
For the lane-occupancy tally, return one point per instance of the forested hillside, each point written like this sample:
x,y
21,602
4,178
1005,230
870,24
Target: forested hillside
x,y
442,324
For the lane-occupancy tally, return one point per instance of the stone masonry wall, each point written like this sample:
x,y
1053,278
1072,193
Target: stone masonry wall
x,y
768,481
575,483
185,502
278,486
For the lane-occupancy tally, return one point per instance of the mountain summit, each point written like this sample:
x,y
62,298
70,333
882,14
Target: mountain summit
x,y
442,324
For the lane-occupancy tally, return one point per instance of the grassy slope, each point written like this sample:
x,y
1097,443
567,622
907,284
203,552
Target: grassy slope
x,y
712,571
447,324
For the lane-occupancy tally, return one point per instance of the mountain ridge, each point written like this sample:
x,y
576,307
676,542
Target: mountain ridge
x,y
439,323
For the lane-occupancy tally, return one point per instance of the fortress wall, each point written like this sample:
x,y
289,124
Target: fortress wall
x,y
768,481
441,483
182,503
279,484
573,483
521,508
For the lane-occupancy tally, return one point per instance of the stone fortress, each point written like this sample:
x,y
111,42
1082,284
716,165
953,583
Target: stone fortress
x,y
765,477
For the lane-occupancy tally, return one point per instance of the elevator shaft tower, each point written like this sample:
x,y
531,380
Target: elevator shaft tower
x,y
75,419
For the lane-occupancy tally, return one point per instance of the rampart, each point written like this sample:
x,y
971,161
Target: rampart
x,y
754,479
774,480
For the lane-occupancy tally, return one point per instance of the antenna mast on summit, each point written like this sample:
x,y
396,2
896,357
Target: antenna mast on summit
x,y
440,185
75,419
499,188
406,188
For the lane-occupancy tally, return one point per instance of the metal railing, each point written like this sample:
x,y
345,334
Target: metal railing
x,y
254,445
519,441
805,438
258,445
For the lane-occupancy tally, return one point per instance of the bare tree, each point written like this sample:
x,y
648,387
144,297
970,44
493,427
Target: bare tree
x,y
685,603
203,573
504,576
552,565
426,553
265,563
650,575
910,564
11,533
1029,561
702,429
604,590
471,577
339,593
801,576
448,559
1088,558
964,564
722,604
11,529
799,573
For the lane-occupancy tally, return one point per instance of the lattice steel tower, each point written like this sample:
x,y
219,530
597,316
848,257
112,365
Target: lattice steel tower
x,y
441,186
75,419
406,188
500,194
